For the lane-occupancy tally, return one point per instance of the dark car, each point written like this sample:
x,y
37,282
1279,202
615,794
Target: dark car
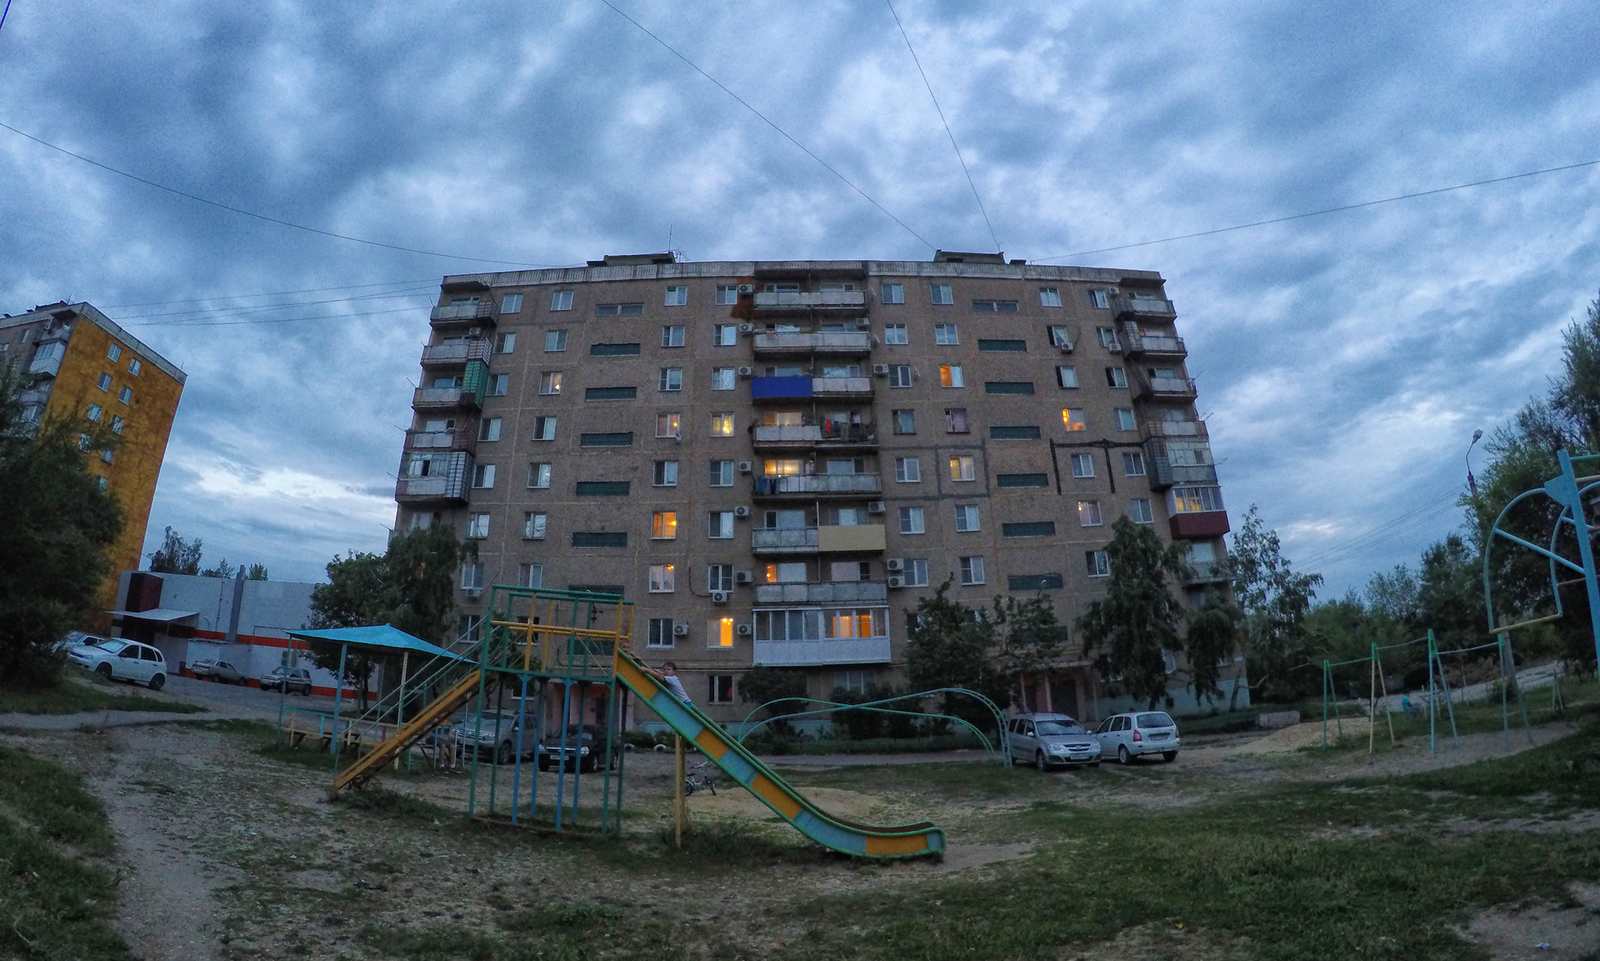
x,y
586,742
289,680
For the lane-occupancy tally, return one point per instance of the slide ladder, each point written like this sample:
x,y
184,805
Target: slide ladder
x,y
410,732
846,837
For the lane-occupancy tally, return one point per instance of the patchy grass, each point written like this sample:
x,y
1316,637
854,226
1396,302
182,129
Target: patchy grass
x,y
396,804
80,692
52,802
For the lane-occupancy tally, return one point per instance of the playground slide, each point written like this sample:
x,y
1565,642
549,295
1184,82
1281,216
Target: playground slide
x,y
847,837
408,734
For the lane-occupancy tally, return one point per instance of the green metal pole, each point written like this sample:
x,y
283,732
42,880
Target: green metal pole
x,y
1433,707
1327,679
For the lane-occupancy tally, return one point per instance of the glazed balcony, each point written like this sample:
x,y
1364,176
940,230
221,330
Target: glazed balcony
x,y
446,481
480,311
457,352
837,650
836,343
783,540
812,436
1136,344
1145,307
441,440
1156,427
1167,388
444,398
818,485
802,300
824,592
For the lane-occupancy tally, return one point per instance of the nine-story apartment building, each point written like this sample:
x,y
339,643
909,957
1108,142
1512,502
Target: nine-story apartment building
x,y
776,460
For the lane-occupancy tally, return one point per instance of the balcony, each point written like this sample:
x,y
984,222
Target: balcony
x,y
780,300
851,539
1135,343
480,310
1145,307
446,480
785,389
818,485
36,397
1167,388
838,343
839,650
430,398
783,540
1165,474
1155,427
1208,572
1198,525
824,592
808,436
842,388
441,440
456,352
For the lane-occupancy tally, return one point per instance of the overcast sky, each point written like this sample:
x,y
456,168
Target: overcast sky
x,y
1343,360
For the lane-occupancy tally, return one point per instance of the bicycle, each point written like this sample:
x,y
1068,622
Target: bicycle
x,y
699,779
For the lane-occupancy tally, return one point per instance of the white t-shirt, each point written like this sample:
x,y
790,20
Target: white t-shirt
x,y
671,683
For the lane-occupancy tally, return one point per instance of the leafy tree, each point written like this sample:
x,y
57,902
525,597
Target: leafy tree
x,y
1028,639
1450,594
357,595
1131,629
950,645
1210,642
176,556
769,685
257,572
221,569
1275,600
57,528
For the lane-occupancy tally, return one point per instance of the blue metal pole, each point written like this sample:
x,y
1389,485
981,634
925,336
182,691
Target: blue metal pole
x,y
1564,490
338,691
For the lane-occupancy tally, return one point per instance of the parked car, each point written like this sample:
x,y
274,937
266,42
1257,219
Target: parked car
x,y
220,671
122,660
585,741
1051,739
74,639
1139,732
496,735
287,679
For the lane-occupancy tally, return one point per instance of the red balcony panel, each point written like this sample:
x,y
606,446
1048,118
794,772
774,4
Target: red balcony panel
x,y
1199,525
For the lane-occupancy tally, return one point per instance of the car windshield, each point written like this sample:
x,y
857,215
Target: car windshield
x,y
490,717
1156,719
112,646
1049,728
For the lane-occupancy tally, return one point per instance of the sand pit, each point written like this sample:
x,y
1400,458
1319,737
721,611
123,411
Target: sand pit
x,y
736,802
1307,734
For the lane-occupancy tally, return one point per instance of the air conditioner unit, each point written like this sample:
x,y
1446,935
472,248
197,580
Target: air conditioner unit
x,y
895,564
744,577
719,597
741,511
863,323
897,582
747,371
744,630
474,591
680,630
744,467
474,332
874,507
880,370
747,288
1066,346
747,328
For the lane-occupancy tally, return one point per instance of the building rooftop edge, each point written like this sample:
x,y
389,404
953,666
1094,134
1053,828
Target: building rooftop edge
x,y
747,268
92,313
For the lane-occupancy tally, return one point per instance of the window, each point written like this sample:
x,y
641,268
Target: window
x,y
1029,529
721,425
84,441
1049,296
721,689
472,577
1089,514
610,393
724,335
135,366
126,395
719,577
105,382
895,334
1187,500
660,633
911,521
621,438
483,476
986,345
100,482
1132,463
940,294
662,578
916,572
1059,337
727,294
533,525
668,425
1013,432
719,525
114,354
664,525
1008,387
1082,465
544,428
950,376
995,306
510,304
677,296
1099,298
899,375
945,335
489,429
955,420
962,468
1072,418
508,342
1034,582
905,422
722,473
722,378
1108,337
530,576
555,341
1125,419
671,379
1097,563
561,300
93,413
618,310
107,455
907,470
1010,481
538,475
499,384
116,424
550,382
971,570
1139,511
600,539
894,293
666,474
967,518
602,488
1066,377
478,526
1116,377
854,681
672,336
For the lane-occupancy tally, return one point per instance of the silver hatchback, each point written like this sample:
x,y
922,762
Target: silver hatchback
x,y
1139,732
1049,740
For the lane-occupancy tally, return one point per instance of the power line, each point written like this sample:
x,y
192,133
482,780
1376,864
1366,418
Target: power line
x,y
1383,531
263,217
271,293
243,309
267,320
4,12
947,130
781,132
1329,210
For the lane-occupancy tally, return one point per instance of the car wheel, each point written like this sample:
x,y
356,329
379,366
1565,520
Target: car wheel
x,y
1094,763
157,682
305,690
1123,757
1169,756
587,766
505,754
544,765
104,670
1038,760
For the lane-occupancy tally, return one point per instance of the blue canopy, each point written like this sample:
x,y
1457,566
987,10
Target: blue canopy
x,y
382,636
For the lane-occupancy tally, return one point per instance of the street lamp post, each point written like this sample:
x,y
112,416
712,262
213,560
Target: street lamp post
x,y
1472,482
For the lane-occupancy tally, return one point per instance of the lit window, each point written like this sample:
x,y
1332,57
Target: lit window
x,y
671,379
1125,419
666,474
114,354
677,296
1072,418
478,526
1139,511
725,335
538,475
1133,463
561,300
722,473
971,570
550,382
662,578
667,425
1082,465
544,428
1116,377
955,420
1188,500
530,576
1089,514
1049,296
511,304
945,335
905,422
721,425
950,376
911,520
489,429
1097,563
483,476
940,294
555,341
907,470
105,381
722,378
967,518
533,526
664,525
719,525
725,632
962,468
672,336
727,294
895,334
894,293
1066,376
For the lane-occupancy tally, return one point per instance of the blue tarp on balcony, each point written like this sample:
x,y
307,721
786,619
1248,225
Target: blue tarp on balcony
x,y
779,387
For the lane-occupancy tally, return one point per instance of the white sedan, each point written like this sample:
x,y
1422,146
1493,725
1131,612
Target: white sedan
x,y
123,660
